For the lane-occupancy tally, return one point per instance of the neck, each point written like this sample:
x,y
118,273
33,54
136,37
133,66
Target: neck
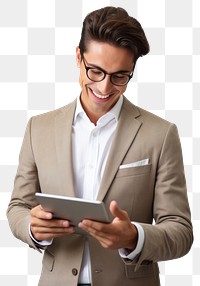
x,y
94,117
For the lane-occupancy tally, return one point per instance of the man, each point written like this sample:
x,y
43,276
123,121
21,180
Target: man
x,y
103,147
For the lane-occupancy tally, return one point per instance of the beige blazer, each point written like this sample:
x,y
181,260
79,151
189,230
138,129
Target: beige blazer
x,y
153,195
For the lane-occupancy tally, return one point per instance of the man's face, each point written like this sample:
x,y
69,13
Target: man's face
x,y
98,98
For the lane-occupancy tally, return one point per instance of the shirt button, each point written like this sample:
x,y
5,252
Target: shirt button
x,y
74,271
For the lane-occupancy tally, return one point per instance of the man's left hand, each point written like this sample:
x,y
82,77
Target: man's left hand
x,y
120,233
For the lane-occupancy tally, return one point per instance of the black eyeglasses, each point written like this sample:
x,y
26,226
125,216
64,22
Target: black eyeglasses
x,y
98,74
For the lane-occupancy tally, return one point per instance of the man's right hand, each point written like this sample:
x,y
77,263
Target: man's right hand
x,y
45,227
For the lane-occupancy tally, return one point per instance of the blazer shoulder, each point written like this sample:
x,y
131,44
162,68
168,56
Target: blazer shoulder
x,y
145,116
53,114
151,125
153,118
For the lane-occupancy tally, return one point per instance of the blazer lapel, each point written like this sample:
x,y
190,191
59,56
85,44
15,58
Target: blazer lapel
x,y
126,131
63,131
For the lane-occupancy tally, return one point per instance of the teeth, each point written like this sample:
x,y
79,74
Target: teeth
x,y
100,96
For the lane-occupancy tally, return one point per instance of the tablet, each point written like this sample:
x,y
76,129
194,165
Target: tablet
x,y
73,209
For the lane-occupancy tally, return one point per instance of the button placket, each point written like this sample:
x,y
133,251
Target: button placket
x,y
91,163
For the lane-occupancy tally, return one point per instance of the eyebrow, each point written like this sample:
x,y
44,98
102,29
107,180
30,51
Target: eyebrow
x,y
98,67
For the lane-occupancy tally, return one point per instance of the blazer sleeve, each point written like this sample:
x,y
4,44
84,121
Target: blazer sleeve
x,y
171,235
23,196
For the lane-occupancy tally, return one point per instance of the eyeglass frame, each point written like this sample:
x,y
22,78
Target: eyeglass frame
x,y
106,73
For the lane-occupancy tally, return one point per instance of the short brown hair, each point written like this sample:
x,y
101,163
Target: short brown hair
x,y
114,26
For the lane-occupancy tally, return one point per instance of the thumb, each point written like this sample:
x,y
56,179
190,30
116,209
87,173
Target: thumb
x,y
117,212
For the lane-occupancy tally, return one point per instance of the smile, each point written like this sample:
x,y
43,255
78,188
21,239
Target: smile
x,y
101,96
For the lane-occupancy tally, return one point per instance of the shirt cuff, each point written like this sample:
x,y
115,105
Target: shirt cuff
x,y
39,242
124,253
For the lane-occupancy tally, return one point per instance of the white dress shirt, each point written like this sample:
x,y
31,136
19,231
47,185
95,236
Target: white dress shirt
x,y
90,148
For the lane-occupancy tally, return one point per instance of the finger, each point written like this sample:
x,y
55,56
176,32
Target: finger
x,y
53,223
47,234
92,226
44,232
103,240
116,211
100,232
55,230
39,212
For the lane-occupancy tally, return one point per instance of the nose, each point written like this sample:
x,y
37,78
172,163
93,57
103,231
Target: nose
x,y
105,85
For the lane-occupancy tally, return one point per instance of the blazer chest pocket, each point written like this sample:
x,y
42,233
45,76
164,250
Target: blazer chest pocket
x,y
134,171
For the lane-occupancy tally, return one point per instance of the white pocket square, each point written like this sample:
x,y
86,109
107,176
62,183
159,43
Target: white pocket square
x,y
135,164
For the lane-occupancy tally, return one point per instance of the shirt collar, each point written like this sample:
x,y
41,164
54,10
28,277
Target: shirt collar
x,y
113,113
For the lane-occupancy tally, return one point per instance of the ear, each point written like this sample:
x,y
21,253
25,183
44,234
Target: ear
x,y
78,57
